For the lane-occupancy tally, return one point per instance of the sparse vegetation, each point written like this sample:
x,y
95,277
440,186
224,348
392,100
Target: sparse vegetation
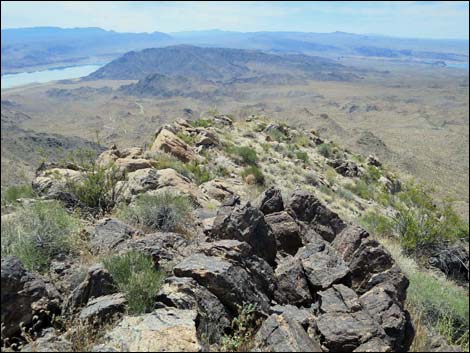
x,y
200,174
247,155
162,212
38,232
326,150
253,172
205,123
137,278
243,329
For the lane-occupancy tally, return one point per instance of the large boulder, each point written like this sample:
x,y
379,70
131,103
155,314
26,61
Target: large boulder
x,y
287,232
343,325
186,293
164,248
27,300
98,282
322,265
110,234
103,309
128,165
305,207
168,142
163,330
345,167
52,183
292,286
246,223
271,201
227,280
280,333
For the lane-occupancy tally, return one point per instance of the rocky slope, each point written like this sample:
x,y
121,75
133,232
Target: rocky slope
x,y
311,279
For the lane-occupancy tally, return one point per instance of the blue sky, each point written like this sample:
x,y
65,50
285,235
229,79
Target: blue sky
x,y
426,19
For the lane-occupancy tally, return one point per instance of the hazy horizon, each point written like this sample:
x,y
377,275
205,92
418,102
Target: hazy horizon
x,y
412,19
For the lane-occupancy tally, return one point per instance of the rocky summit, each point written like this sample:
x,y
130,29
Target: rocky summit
x,y
257,261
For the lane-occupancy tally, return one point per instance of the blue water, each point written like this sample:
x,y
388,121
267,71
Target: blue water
x,y
24,78
458,65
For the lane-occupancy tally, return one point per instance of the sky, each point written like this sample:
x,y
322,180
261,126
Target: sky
x,y
414,19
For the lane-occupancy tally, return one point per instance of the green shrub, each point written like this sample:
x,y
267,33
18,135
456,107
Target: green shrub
x,y
276,135
303,156
246,154
162,160
377,223
255,172
443,306
164,212
362,189
205,123
260,126
244,327
37,233
189,139
302,140
199,173
372,174
345,194
326,150
12,193
136,277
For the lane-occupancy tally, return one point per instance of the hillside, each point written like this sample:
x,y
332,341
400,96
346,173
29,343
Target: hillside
x,y
215,64
231,235
44,47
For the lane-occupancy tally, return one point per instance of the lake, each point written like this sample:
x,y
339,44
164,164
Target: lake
x,y
24,78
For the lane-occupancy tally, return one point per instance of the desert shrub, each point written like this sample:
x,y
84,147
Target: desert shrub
x,y
442,306
38,232
260,126
326,150
255,172
244,327
372,174
205,123
189,139
199,173
162,160
303,156
377,223
345,194
276,135
221,171
165,212
302,140
331,175
14,192
135,276
362,189
246,154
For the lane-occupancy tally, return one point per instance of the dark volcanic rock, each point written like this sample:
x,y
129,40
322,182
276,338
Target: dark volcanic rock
x,y
280,333
305,207
103,309
110,234
186,293
97,283
246,223
27,299
345,168
286,231
322,265
292,286
271,201
228,281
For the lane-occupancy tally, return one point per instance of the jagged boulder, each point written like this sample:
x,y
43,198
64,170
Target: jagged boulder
x,y
280,333
186,293
286,231
343,325
345,167
128,165
50,341
246,223
291,283
323,267
98,282
217,189
305,207
164,248
103,309
168,142
271,201
27,299
165,329
228,281
53,184
110,234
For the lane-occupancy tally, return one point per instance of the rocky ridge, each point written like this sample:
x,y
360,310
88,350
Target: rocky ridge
x,y
316,281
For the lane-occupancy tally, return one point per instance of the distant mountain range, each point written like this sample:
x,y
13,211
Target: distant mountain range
x,y
31,48
185,70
